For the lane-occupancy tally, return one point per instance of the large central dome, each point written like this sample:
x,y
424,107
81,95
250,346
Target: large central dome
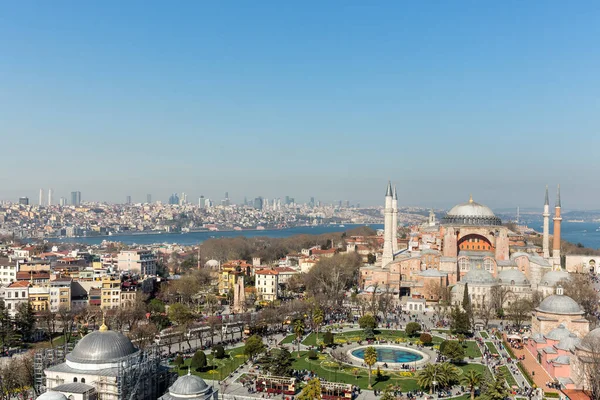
x,y
101,347
471,213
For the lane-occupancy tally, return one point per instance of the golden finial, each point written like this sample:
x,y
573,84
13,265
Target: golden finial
x,y
470,198
103,327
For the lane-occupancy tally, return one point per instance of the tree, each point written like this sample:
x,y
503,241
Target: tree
x,y
388,393
472,379
218,352
427,376
312,390
412,328
312,355
453,350
459,321
426,338
332,276
437,375
279,362
178,361
254,345
66,317
497,389
144,334
6,326
467,306
48,319
370,358
367,321
499,296
180,314
317,320
328,338
581,289
519,311
198,360
486,312
25,321
299,332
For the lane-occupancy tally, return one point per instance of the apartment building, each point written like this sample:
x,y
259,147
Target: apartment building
x,y
266,284
8,271
15,294
141,262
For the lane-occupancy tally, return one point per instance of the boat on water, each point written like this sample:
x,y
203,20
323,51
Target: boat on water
x,y
342,226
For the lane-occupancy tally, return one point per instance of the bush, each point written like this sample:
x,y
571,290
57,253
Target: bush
x,y
199,360
367,321
426,339
312,355
218,351
453,350
412,328
328,338
178,361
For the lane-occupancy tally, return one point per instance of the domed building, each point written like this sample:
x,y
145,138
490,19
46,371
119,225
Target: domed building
x,y
106,365
557,310
52,395
190,387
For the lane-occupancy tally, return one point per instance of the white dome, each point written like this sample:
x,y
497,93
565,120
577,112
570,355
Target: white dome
x,y
559,304
551,278
211,264
188,385
471,213
508,276
50,395
478,276
558,333
569,343
101,347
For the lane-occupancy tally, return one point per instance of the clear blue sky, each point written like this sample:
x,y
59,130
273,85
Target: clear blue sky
x,y
325,99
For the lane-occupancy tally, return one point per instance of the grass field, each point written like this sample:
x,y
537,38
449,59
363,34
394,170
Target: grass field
x,y
471,349
484,335
508,376
491,347
330,370
222,368
354,336
288,339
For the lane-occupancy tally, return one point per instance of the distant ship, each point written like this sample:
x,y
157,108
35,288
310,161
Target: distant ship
x,y
342,226
575,220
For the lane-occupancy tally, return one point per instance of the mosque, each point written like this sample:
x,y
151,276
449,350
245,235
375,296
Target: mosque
x,y
468,246
105,365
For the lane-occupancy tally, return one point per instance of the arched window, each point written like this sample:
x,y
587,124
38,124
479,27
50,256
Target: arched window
x,y
82,380
74,379
488,264
463,263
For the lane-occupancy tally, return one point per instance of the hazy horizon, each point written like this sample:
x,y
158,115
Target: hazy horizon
x,y
325,100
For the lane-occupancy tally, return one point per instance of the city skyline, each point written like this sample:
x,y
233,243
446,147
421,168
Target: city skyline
x,y
327,100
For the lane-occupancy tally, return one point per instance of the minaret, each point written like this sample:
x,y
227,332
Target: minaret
x,y
388,251
395,221
556,238
546,237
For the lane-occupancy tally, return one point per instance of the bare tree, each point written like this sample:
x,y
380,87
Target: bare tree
x,y
486,312
580,288
519,311
48,319
500,296
590,366
66,317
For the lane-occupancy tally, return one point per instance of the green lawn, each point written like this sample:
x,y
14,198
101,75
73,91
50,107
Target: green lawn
x,y
330,370
525,373
223,368
484,335
509,378
288,339
471,349
491,348
354,336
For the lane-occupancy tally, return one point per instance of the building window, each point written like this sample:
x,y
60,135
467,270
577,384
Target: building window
x,y
74,379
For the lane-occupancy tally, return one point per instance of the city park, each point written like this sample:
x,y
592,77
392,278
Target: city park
x,y
344,358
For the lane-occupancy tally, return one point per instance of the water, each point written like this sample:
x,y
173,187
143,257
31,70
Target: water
x,y
390,355
578,232
193,238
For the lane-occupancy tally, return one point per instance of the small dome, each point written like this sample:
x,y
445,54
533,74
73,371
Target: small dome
x,y
102,347
551,278
478,276
508,276
564,360
591,340
559,304
433,273
471,213
569,343
558,333
51,395
187,385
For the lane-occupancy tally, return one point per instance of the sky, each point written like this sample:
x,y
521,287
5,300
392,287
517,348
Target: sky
x,y
326,99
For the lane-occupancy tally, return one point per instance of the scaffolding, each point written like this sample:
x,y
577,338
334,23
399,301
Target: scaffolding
x,y
45,358
143,377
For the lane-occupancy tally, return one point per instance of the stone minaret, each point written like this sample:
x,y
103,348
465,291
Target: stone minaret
x,y
556,238
388,219
395,222
546,215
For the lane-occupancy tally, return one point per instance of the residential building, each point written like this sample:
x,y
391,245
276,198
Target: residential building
x,y
15,294
111,293
60,294
8,271
267,284
141,262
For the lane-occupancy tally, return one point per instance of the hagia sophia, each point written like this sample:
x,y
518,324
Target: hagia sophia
x,y
468,246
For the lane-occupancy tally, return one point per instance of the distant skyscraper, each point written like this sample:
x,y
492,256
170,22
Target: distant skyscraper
x,y
312,202
50,193
24,201
62,202
287,200
75,198
41,200
128,199
347,203
174,199
202,202
258,203
183,198
340,204
148,198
